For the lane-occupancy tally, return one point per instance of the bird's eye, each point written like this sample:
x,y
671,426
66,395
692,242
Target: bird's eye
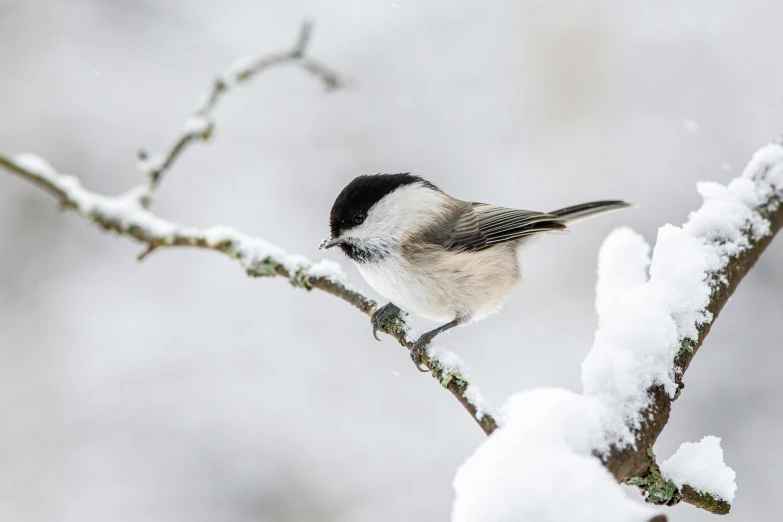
x,y
358,219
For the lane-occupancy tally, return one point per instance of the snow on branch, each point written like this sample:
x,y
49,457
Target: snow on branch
x,y
700,465
654,314
699,267
129,215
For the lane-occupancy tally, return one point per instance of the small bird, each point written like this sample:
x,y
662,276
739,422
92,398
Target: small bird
x,y
435,256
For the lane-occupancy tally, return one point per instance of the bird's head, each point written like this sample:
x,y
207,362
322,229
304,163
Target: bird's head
x,y
373,212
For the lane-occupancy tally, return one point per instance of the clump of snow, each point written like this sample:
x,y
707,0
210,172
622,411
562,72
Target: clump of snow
x,y
700,465
538,467
731,205
448,361
295,262
329,270
641,331
35,164
196,125
256,250
680,276
218,234
766,167
623,265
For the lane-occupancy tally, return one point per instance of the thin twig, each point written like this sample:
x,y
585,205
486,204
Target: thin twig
x,y
200,127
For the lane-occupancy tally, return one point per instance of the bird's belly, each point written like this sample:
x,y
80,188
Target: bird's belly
x,y
444,292
406,289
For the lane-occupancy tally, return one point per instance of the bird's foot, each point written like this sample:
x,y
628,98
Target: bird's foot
x,y
380,316
418,349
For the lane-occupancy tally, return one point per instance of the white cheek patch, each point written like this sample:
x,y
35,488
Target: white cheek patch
x,y
380,224
404,211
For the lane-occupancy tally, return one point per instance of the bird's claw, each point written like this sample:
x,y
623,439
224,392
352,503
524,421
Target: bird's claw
x,y
386,312
417,350
380,316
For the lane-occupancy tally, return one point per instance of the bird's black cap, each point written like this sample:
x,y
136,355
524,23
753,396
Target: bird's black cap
x,y
358,197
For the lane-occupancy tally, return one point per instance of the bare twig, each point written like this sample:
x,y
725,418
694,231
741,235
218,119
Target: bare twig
x,y
200,127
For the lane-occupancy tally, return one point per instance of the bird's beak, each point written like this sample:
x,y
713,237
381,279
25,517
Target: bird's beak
x,y
329,242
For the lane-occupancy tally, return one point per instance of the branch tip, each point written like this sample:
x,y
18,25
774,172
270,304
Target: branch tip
x,y
305,33
147,251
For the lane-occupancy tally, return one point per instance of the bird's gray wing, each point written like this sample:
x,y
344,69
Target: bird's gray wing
x,y
481,226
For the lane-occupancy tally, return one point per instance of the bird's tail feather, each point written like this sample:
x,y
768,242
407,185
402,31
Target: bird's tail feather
x,y
576,213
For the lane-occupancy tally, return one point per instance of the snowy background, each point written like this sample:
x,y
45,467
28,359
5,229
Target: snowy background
x,y
180,390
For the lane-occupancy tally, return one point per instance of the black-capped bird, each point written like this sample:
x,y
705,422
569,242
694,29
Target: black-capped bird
x,y
436,256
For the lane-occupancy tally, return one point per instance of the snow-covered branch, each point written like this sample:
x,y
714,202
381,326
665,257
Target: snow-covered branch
x,y
695,270
129,215
654,314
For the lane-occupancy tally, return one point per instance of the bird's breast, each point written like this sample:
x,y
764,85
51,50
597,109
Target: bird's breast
x,y
442,286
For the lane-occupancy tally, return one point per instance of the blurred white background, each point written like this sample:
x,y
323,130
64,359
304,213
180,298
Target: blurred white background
x,y
180,390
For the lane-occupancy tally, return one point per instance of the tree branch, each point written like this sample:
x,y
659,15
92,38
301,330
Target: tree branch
x,y
659,490
636,464
129,215
126,216
200,127
652,314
